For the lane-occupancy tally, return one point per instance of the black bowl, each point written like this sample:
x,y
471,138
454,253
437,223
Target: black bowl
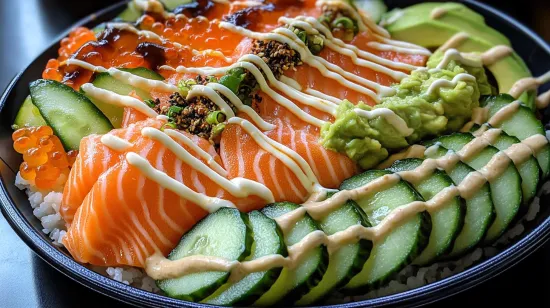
x,y
17,211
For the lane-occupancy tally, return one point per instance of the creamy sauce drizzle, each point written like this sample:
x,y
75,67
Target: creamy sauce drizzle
x,y
543,100
455,41
438,12
496,54
112,98
210,204
453,55
393,119
443,83
527,84
238,187
116,143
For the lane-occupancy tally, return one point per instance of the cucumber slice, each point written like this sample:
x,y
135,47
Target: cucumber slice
x,y
268,240
28,115
447,221
225,234
348,260
171,5
131,14
480,211
293,283
399,247
505,190
522,124
374,8
108,82
529,170
70,114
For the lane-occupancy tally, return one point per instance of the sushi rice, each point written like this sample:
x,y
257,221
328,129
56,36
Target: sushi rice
x,y
46,208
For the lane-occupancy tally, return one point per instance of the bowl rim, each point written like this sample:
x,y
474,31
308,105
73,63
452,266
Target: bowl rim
x,y
426,294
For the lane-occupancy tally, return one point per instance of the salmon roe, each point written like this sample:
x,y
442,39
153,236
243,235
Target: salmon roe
x,y
44,158
69,45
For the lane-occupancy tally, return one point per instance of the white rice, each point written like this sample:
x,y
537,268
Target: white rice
x,y
46,209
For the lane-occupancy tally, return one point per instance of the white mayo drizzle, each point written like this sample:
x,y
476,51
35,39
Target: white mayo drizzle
x,y
315,27
210,161
238,187
223,90
199,90
210,204
444,83
454,55
393,119
340,46
322,95
284,35
291,159
112,98
291,82
128,27
116,143
153,6
142,83
245,3
283,101
212,52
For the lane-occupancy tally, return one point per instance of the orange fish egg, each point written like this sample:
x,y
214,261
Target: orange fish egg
x,y
22,144
28,173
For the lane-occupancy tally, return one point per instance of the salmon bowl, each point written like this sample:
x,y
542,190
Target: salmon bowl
x,y
142,199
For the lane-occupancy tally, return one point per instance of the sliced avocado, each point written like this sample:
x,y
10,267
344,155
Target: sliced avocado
x,y
415,25
458,17
424,10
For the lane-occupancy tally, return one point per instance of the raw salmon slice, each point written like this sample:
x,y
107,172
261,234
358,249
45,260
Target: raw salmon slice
x,y
127,216
95,158
244,157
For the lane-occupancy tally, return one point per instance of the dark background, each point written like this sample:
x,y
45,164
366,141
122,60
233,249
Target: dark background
x,y
28,26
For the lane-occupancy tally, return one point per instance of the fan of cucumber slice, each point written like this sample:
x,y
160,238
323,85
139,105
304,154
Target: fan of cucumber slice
x,y
449,232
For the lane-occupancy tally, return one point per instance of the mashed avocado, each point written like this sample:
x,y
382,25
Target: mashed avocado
x,y
369,141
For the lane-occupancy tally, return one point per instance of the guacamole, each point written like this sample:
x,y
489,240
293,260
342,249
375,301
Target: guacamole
x,y
445,109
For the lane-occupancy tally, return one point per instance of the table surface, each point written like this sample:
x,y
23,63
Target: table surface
x,y
27,281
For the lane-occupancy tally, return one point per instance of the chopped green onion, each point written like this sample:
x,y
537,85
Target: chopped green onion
x,y
301,34
150,103
216,132
231,82
346,22
324,19
215,117
169,125
316,44
185,85
174,110
212,79
233,78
